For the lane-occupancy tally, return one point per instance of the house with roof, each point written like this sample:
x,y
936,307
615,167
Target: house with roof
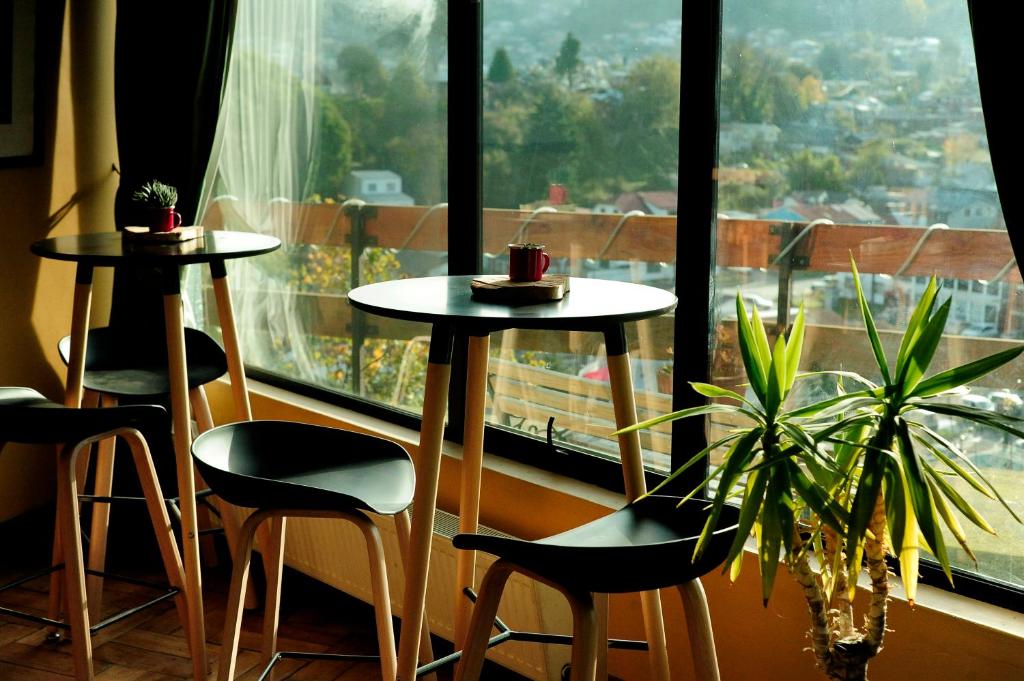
x,y
382,187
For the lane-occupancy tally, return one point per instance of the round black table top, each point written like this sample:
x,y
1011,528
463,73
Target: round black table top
x,y
106,249
590,304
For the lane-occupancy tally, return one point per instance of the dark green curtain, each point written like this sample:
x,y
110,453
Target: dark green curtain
x,y
997,53
170,61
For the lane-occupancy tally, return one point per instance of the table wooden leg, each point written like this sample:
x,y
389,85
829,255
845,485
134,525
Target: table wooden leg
x,y
79,333
229,334
472,463
180,413
630,452
428,467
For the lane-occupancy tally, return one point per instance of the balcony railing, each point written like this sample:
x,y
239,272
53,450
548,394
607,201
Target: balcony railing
x,y
589,243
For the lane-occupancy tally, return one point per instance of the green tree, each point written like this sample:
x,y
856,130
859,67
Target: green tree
x,y
567,63
414,134
808,171
553,137
361,70
757,86
332,142
644,128
869,164
500,71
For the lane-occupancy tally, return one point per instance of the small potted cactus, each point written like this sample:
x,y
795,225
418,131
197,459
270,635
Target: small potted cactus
x,y
158,200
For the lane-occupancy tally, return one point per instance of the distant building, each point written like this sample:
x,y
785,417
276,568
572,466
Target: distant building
x,y
848,212
971,208
382,187
651,203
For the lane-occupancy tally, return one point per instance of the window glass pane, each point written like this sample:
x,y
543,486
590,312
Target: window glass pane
x,y
334,138
581,131
864,120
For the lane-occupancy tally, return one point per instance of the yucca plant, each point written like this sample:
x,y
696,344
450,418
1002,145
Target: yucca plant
x,y
845,482
156,194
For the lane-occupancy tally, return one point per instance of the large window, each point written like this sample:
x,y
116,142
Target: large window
x,y
580,152
856,128
842,127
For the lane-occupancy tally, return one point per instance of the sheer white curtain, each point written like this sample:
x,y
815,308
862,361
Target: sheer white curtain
x,y
262,166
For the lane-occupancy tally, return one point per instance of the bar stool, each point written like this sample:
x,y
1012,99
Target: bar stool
x,y
644,546
28,417
129,364
284,469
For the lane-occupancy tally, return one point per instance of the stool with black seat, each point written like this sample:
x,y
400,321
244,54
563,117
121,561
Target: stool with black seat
x,y
286,469
646,545
29,418
124,364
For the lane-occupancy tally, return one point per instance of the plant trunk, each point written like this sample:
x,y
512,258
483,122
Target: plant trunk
x,y
840,649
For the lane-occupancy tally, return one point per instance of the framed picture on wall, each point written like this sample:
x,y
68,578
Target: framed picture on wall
x,y
19,102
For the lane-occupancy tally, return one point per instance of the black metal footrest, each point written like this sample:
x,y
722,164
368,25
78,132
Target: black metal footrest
x,y
167,592
298,655
506,633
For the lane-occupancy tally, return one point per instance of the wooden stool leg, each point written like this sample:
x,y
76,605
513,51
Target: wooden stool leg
x,y
584,636
103,485
233,613
57,603
381,597
403,528
228,519
162,529
601,611
482,620
698,626
204,421
74,564
273,566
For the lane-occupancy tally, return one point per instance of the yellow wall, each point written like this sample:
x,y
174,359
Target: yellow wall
x,y
933,642
35,298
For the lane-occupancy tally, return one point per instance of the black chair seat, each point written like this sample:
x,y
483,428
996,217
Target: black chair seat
x,y
304,467
28,417
120,364
646,545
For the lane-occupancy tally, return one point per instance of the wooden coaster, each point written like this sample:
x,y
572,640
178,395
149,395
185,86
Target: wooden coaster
x,y
498,288
142,235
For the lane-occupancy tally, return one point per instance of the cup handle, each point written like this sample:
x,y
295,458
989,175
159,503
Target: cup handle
x,y
547,263
177,219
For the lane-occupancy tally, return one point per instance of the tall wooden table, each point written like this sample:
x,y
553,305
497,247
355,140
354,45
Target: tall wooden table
x,y
107,250
446,303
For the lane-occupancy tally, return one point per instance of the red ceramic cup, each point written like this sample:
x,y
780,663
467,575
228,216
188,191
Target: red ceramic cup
x,y
527,262
164,220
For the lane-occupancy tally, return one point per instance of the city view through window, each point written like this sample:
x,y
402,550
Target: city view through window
x,y
861,119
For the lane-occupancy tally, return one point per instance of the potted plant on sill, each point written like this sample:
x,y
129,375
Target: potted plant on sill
x,y
846,481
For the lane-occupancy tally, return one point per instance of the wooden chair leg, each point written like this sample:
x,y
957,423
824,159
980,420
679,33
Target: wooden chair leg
x,y
698,626
381,597
403,528
584,636
103,485
273,566
57,602
239,578
74,564
601,611
482,620
204,519
162,529
228,518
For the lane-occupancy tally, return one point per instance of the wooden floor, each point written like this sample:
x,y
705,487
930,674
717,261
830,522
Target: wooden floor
x,y
150,646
